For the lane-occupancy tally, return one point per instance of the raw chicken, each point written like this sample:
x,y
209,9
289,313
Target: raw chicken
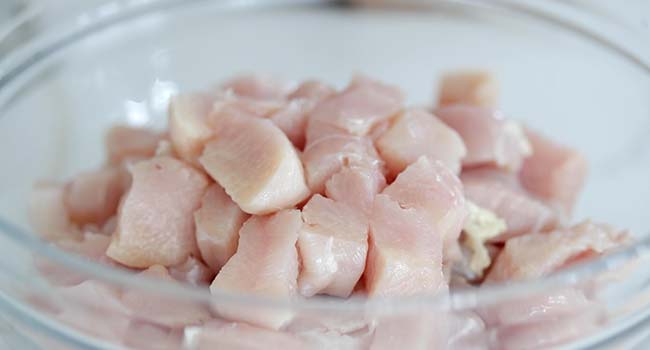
x,y
358,108
554,173
265,264
327,156
162,310
416,133
413,330
92,246
84,305
356,186
193,271
292,119
312,90
258,87
48,214
125,143
435,191
473,88
405,252
255,163
490,139
333,244
145,336
217,334
188,124
538,254
93,197
217,227
500,193
481,225
155,224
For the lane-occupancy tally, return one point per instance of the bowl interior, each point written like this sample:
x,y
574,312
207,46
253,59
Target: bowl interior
x,y
579,91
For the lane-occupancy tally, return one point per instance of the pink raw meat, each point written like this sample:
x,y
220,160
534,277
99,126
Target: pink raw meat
x,y
473,88
356,186
258,87
218,334
125,143
554,173
333,244
93,197
435,191
92,247
500,193
217,226
292,118
538,254
192,271
312,90
162,310
265,264
413,330
355,110
405,252
329,155
155,224
255,163
415,133
490,139
94,308
188,124
48,214
144,336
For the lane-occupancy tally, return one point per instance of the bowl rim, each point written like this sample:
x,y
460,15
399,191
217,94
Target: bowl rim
x,y
16,63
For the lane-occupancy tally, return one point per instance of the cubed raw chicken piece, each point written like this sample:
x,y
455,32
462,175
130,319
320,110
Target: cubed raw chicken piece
x,y
92,246
332,244
554,173
327,156
145,336
188,123
549,334
48,214
218,334
500,193
155,224
539,254
473,88
192,271
163,310
466,331
292,118
312,90
265,264
415,330
356,186
362,105
405,252
434,190
94,308
415,133
93,197
490,139
125,143
259,87
255,163
217,226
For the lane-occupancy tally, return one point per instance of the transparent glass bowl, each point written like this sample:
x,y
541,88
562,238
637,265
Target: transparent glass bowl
x,y
69,72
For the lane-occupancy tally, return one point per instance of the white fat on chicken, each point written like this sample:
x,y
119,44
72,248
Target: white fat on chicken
x,y
481,225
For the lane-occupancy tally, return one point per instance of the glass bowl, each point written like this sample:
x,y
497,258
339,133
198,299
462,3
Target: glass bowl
x,y
69,72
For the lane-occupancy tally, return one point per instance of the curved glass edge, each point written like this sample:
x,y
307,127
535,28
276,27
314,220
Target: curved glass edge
x,y
16,63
